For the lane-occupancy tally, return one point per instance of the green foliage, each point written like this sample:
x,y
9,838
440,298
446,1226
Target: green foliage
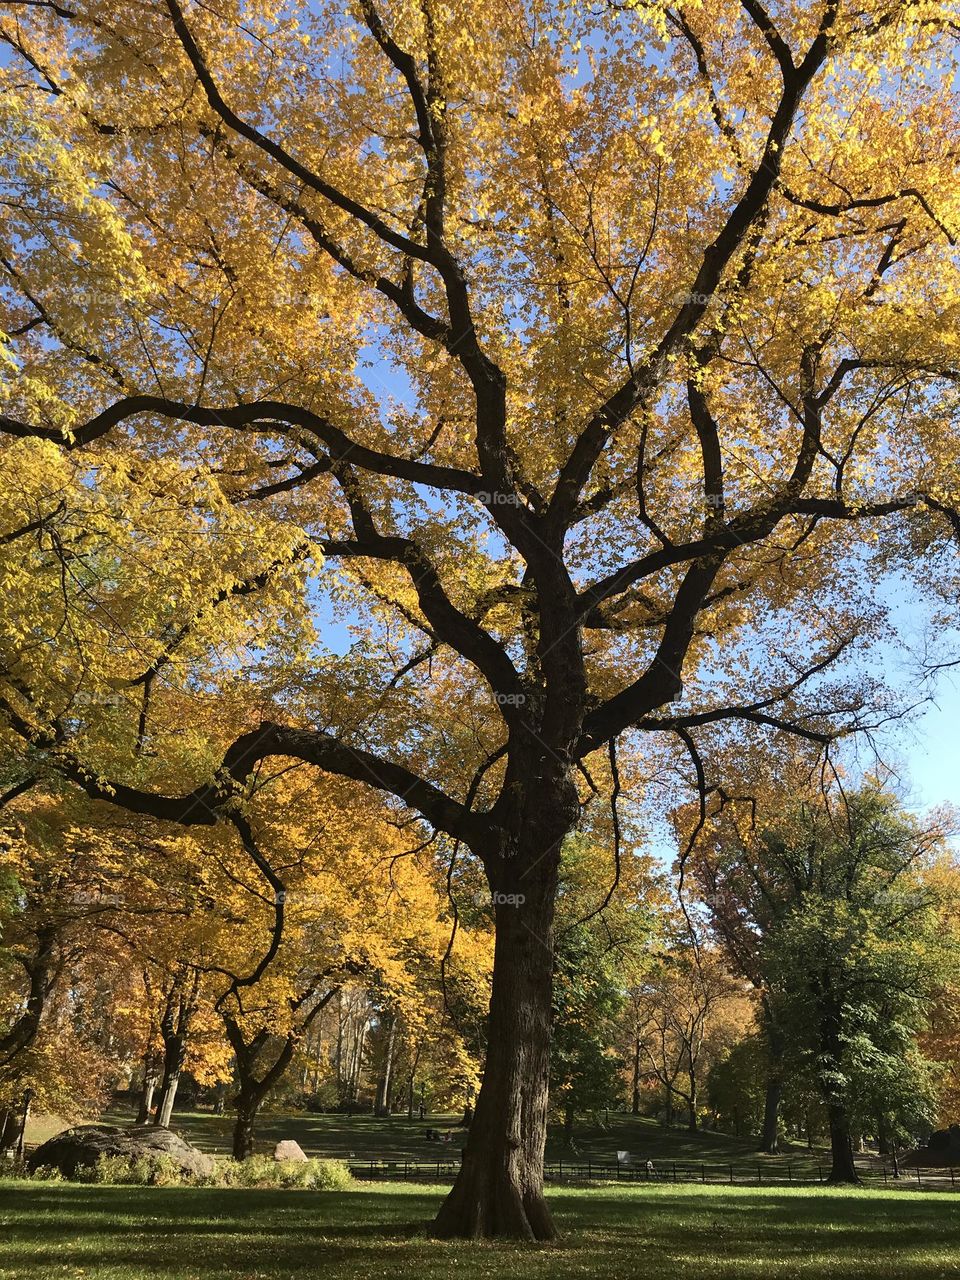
x,y
136,1171
257,1171
855,955
735,1086
593,950
264,1171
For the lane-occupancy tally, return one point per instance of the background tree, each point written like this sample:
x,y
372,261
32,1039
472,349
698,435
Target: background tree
x,y
690,1010
604,934
853,965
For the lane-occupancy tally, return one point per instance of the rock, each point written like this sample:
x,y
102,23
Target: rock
x,y
82,1147
289,1150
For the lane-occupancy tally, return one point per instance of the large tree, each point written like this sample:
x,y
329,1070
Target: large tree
x,y
586,345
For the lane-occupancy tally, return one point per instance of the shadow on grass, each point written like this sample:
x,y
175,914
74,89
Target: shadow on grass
x,y
132,1233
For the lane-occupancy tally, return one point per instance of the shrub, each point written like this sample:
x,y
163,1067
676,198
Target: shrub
x,y
264,1171
46,1173
331,1175
138,1171
256,1171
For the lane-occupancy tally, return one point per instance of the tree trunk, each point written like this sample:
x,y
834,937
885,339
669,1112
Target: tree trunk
x,y
884,1141
843,1168
9,1128
382,1104
635,1100
499,1190
24,1121
175,1023
244,1126
411,1084
692,1095
147,1090
773,1095
42,972
770,1133
668,1108
167,1096
569,1116
254,1088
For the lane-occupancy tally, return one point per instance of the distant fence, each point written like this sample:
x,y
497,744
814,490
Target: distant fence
x,y
587,1171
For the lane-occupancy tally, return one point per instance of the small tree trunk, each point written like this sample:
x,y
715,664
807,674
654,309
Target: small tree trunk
x,y
382,1104
147,1090
773,1093
167,1097
692,1095
22,1128
569,1115
243,1129
770,1133
9,1128
635,1100
843,1168
499,1189
668,1108
692,1115
884,1144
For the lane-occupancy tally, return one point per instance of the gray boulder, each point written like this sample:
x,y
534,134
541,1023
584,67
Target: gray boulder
x,y
82,1147
289,1150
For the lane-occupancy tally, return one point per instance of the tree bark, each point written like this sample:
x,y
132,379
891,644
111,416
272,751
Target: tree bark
x,y
147,1090
244,1126
499,1190
770,1133
773,1094
167,1097
635,1100
843,1169
884,1141
692,1095
569,1115
9,1128
180,1006
43,972
382,1105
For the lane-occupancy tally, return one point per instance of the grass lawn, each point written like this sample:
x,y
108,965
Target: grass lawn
x,y
366,1137
55,1232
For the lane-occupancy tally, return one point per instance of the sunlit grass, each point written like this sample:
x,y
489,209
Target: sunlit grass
x,y
51,1232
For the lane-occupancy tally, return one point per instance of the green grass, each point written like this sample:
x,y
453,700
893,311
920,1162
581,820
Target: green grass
x,y
56,1232
365,1137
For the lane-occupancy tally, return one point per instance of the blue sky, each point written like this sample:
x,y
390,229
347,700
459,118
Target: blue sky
x,y
932,758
